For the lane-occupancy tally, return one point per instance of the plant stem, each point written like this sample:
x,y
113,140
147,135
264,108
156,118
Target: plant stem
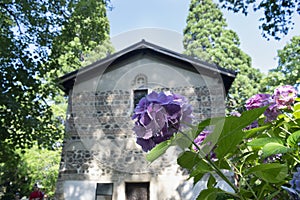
x,y
241,175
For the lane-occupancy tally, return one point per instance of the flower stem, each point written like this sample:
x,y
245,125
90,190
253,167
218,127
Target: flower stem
x,y
242,177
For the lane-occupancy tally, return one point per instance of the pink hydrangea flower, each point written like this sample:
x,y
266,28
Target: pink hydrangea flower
x,y
284,96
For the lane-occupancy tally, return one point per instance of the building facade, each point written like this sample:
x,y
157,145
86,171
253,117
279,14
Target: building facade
x,y
100,159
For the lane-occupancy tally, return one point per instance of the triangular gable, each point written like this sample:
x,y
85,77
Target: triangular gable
x,y
67,81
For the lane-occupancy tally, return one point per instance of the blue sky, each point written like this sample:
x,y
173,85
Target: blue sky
x,y
167,19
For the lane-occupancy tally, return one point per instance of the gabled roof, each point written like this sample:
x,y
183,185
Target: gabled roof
x,y
66,82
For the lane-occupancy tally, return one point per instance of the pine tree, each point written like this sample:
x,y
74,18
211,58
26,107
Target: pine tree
x,y
207,37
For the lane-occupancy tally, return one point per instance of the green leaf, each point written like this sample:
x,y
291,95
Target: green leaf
x,y
294,139
188,159
251,132
270,172
205,123
209,194
232,133
158,150
260,142
211,181
296,112
297,106
212,139
197,178
273,148
201,168
184,140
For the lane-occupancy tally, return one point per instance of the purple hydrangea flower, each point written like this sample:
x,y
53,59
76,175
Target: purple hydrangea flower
x,y
254,124
271,113
294,190
199,139
261,100
158,116
295,182
258,101
284,96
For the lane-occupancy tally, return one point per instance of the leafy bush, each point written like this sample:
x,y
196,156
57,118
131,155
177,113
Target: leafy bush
x,y
260,146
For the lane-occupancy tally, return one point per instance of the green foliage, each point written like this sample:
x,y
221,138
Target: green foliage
x,y
40,40
263,159
41,165
278,15
232,131
288,69
11,180
269,172
86,28
23,170
25,114
207,37
101,51
30,30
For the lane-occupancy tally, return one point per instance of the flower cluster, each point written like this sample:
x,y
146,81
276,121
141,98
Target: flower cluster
x,y
158,116
258,101
283,97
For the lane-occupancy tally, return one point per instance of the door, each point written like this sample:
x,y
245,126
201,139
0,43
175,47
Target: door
x,y
137,191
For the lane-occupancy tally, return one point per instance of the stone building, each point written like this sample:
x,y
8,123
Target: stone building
x,y
100,159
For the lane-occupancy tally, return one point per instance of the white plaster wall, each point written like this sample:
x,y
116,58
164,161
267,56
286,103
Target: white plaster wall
x,y
161,188
79,190
159,73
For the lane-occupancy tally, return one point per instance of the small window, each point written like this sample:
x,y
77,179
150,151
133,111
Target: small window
x,y
138,95
104,191
137,191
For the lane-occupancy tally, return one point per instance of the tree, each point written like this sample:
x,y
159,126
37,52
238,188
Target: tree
x,y
289,61
41,165
206,36
278,15
288,69
100,51
30,34
34,36
86,29
25,169
24,114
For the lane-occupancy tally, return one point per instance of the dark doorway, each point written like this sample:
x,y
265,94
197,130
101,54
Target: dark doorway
x,y
138,95
137,191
